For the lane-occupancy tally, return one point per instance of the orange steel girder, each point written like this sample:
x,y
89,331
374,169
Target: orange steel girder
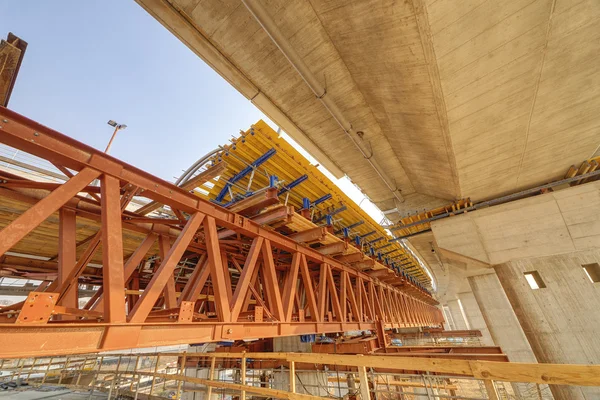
x,y
278,287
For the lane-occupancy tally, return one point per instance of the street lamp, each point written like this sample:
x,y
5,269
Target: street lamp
x,y
117,127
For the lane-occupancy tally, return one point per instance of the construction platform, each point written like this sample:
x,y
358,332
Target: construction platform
x,y
198,272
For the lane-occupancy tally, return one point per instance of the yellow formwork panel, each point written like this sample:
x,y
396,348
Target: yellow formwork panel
x,y
288,164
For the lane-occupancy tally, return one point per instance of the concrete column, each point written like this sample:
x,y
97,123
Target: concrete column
x,y
474,317
457,315
562,319
504,327
448,322
553,234
500,318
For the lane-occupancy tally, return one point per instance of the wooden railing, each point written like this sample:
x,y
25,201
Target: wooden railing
x,y
110,373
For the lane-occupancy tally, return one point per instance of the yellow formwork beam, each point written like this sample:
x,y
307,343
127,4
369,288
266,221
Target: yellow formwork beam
x,y
288,164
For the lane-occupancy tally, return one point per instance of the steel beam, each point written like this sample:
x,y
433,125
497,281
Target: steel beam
x,y
279,287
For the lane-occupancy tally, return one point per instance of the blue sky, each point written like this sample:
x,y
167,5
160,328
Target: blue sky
x,y
91,61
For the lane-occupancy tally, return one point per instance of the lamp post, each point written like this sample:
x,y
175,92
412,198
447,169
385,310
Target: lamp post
x,y
117,127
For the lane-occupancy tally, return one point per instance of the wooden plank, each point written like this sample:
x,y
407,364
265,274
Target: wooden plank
x,y
491,389
292,377
251,205
364,383
243,378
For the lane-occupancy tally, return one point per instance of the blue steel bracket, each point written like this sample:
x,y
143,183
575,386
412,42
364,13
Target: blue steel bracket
x,y
334,212
376,240
292,185
273,180
240,175
368,234
321,200
350,227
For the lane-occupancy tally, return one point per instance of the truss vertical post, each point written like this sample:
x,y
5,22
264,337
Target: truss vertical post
x,y
169,292
289,288
271,284
67,257
112,251
217,272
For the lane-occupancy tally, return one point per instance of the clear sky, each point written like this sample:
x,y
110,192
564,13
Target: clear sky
x,y
91,61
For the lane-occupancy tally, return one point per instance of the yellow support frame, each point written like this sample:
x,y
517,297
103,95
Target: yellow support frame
x,y
289,164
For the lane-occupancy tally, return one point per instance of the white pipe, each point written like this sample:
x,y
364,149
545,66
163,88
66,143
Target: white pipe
x,y
195,166
264,19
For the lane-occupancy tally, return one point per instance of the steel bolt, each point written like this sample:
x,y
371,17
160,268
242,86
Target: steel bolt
x,y
36,134
229,330
5,121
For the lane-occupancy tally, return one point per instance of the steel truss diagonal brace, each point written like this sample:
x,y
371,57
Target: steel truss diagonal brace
x,y
224,277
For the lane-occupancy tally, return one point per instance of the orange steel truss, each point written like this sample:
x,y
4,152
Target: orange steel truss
x,y
248,281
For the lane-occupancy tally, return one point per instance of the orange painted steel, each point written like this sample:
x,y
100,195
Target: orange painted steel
x,y
278,287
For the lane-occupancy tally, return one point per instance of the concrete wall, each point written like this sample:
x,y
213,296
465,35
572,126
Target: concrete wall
x,y
448,322
554,234
504,328
457,315
561,321
500,318
474,317
554,223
